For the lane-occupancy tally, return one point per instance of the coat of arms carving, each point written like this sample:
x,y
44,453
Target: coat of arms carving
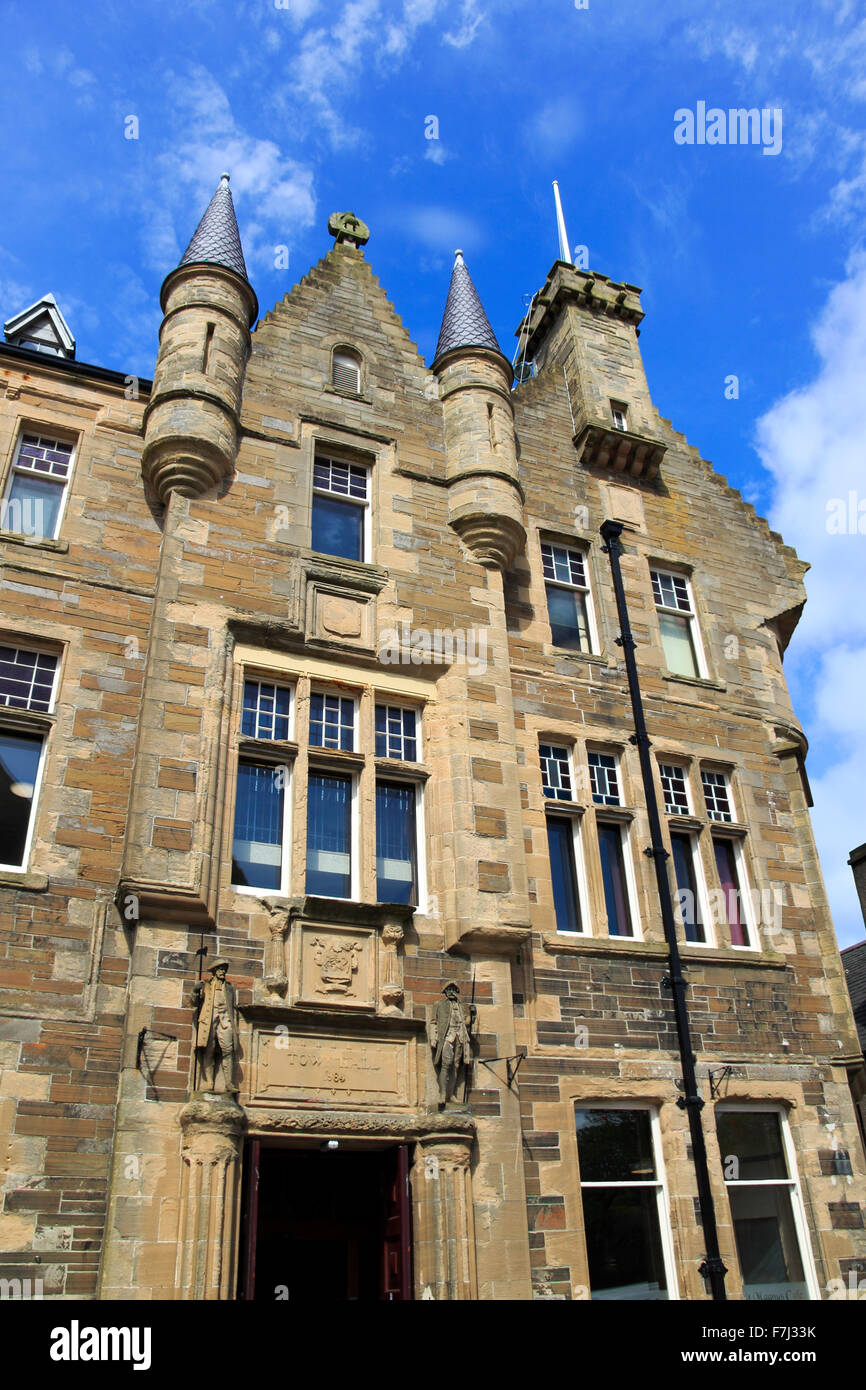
x,y
337,961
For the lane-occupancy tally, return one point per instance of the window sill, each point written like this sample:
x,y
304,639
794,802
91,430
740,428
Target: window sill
x,y
592,658
734,829
568,808
700,682
414,771
269,750
31,720
35,542
334,757
572,943
27,883
329,390
677,822
618,813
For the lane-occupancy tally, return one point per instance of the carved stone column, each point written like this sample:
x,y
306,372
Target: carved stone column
x,y
279,921
444,1224
391,970
210,1198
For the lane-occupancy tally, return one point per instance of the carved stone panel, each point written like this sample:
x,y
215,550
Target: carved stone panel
x,y
337,967
312,1067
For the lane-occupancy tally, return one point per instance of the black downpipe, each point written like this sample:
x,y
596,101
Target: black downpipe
x,y
712,1269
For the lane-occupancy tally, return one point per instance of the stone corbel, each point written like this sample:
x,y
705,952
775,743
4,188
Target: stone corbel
x,y
279,920
391,967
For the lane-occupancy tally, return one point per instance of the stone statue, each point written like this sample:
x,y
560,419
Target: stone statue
x,y
216,1039
451,1038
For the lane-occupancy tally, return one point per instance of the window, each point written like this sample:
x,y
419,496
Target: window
x,y
332,722
612,850
733,898
36,492
686,869
258,859
562,833
27,680
625,1217
603,779
677,626
568,597
340,508
396,850
766,1208
346,371
395,733
675,788
329,835
266,710
619,414
555,772
716,795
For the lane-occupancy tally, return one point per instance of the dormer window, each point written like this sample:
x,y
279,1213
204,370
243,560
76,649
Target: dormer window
x,y
619,414
346,372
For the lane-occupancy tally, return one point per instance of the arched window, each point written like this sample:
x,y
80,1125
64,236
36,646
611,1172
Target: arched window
x,y
346,371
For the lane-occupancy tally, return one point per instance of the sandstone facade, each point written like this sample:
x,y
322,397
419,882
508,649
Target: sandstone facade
x,y
182,570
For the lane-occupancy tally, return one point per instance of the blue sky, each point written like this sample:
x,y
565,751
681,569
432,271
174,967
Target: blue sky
x,y
752,264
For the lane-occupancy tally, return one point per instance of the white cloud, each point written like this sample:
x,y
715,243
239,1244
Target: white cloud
x,y
441,228
436,152
812,444
470,20
273,193
553,127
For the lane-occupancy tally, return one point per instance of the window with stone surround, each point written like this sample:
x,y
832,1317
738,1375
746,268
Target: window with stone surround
x,y
714,903
557,779
341,508
569,600
332,721
37,486
625,1205
767,1214
28,678
260,841
678,627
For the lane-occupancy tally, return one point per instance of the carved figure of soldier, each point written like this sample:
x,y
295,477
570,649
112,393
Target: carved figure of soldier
x,y
216,1039
451,1040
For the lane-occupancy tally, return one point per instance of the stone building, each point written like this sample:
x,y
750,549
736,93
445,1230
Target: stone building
x,y
309,663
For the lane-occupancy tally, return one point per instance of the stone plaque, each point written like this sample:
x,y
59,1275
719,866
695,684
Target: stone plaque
x,y
337,967
331,1069
343,616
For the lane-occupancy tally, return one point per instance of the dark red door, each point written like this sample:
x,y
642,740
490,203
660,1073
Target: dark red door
x,y
397,1242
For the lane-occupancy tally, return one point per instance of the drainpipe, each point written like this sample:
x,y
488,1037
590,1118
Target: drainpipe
x,y
712,1268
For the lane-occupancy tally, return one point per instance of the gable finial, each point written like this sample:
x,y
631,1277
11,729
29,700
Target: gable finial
x,y
346,227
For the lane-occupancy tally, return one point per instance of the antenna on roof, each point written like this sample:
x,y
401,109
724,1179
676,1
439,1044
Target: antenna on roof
x,y
564,253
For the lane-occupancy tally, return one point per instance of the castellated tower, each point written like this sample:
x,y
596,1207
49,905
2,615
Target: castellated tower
x,y
485,504
191,422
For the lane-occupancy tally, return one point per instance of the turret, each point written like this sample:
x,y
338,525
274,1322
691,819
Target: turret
x,y
485,503
208,304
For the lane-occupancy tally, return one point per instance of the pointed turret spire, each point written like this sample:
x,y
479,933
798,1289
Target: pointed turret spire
x,y
216,240
464,323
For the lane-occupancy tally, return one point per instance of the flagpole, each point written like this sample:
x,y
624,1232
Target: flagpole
x,y
564,253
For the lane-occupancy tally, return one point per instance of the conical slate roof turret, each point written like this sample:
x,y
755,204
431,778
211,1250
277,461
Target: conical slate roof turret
x,y
216,240
464,323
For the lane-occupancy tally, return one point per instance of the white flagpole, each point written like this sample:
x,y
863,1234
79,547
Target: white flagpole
x,y
564,253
